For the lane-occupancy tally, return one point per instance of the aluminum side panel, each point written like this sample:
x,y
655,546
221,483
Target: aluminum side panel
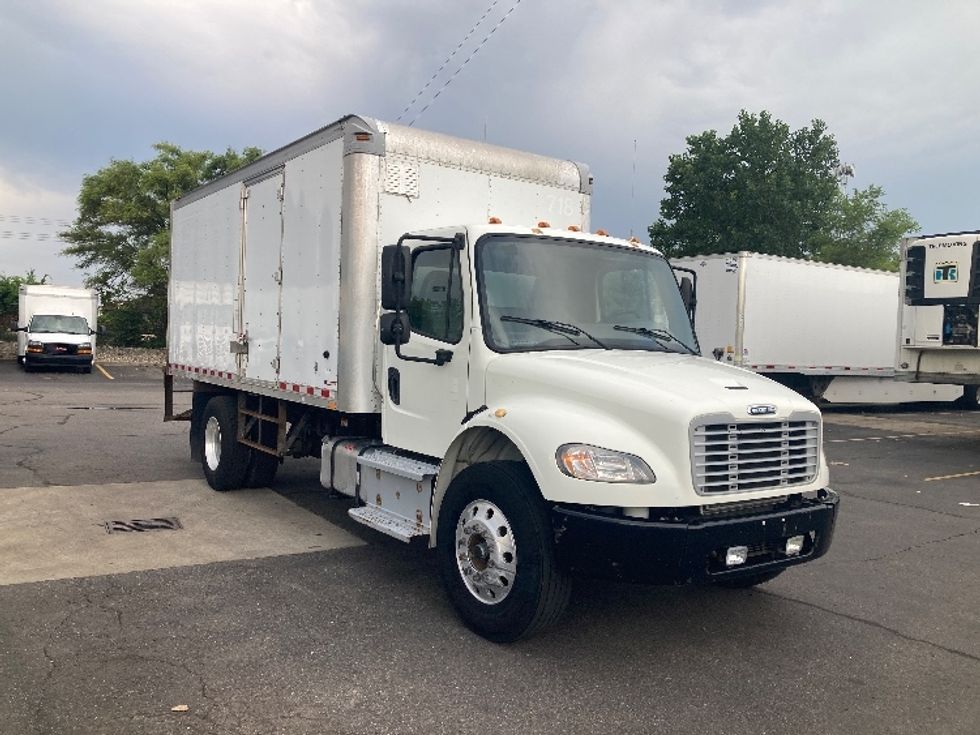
x,y
359,275
817,316
205,249
311,268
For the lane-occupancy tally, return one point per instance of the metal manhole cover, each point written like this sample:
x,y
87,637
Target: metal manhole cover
x,y
138,525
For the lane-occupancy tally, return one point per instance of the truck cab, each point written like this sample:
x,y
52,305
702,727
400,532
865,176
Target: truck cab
x,y
569,360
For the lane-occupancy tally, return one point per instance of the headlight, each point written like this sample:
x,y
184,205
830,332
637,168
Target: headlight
x,y
34,346
586,462
85,348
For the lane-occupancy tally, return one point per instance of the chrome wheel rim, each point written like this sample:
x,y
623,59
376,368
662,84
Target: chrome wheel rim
x,y
212,443
486,552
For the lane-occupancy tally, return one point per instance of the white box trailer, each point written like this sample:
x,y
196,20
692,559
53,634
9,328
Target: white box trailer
x,y
939,312
823,329
431,317
57,327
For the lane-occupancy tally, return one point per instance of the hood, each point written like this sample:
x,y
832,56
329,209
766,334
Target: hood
x,y
657,382
62,337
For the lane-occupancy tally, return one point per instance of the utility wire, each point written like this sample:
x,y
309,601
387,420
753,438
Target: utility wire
x,y
449,58
40,236
467,61
32,220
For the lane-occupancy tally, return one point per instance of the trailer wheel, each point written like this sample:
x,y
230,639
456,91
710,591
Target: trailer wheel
x,y
224,459
496,553
738,583
971,397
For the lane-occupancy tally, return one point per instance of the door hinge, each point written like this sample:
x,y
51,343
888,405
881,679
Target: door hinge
x,y
277,276
275,364
281,194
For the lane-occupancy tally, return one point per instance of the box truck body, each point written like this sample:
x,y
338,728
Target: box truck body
x,y
56,327
431,317
827,330
939,311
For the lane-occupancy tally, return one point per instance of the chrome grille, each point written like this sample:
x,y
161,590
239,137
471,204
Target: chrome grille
x,y
745,456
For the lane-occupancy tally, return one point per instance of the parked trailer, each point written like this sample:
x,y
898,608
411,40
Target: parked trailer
x,y
431,317
825,330
940,311
56,327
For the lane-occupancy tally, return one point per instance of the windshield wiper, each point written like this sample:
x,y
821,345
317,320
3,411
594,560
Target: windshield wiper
x,y
662,336
562,328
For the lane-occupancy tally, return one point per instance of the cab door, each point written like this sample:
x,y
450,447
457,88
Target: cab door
x,y
424,402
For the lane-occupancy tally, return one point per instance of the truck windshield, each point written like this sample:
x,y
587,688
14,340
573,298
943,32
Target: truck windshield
x,y
540,293
41,324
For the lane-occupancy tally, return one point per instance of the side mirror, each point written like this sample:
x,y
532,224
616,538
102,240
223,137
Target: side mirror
x,y
396,276
394,328
687,295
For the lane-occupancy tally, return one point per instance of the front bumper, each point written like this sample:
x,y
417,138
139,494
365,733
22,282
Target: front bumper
x,y
42,359
689,548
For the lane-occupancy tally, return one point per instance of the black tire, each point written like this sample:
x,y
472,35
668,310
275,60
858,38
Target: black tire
x,y
262,469
224,459
739,583
970,398
540,590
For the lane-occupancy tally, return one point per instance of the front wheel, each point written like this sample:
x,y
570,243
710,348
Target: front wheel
x,y
496,553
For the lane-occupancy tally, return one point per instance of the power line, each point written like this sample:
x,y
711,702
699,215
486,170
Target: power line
x,y
449,58
467,61
39,236
33,220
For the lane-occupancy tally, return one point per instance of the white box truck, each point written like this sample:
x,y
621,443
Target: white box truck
x,y
939,311
56,327
825,330
430,317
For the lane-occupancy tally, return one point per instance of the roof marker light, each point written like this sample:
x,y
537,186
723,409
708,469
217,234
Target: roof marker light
x,y
574,228
495,221
602,233
544,223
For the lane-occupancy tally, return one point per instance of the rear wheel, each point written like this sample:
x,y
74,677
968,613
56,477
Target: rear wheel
x,y
496,553
971,397
224,459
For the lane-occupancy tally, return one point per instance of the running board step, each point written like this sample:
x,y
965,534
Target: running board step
x,y
387,523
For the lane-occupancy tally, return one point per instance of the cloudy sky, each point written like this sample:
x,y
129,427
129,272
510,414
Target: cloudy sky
x,y
86,82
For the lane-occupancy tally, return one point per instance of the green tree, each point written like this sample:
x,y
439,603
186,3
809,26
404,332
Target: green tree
x,y
121,236
770,189
10,290
865,232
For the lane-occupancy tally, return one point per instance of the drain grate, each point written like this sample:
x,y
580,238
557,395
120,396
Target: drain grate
x,y
139,525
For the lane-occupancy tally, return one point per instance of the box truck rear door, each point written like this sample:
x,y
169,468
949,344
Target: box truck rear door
x,y
262,278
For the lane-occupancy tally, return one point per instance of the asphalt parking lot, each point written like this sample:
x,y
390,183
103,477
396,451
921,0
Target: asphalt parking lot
x,y
270,612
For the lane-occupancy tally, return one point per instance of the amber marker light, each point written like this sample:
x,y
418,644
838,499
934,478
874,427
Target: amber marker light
x,y
544,223
495,221
362,136
574,228
602,233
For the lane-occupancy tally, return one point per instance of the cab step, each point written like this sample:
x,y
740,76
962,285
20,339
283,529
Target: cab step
x,y
388,523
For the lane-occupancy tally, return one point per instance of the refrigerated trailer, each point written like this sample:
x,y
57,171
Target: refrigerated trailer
x,y
825,330
431,317
939,311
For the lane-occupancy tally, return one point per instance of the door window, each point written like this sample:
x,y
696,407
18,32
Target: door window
x,y
436,306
